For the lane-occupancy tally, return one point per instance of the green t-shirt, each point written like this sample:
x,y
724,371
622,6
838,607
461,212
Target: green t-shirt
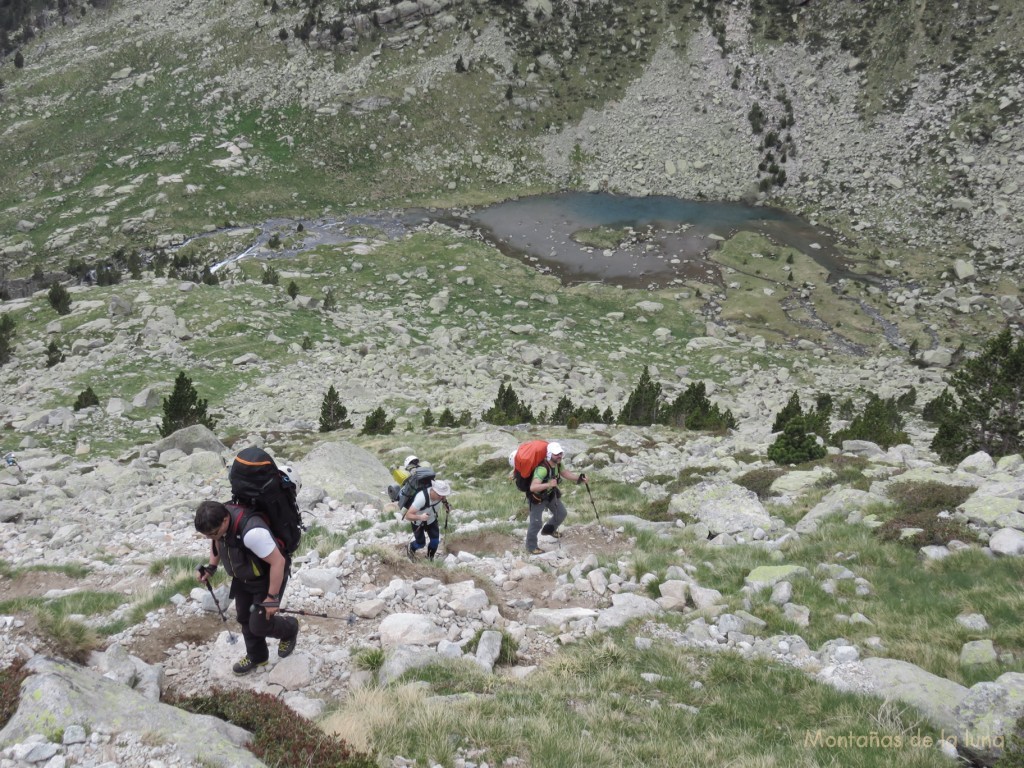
x,y
541,472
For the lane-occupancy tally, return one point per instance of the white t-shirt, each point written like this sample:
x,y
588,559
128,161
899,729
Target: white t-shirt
x,y
259,541
422,503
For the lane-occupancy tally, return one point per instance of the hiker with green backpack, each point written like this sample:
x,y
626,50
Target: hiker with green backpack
x,y
538,478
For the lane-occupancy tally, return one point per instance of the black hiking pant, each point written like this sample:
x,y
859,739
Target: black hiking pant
x,y
420,531
256,628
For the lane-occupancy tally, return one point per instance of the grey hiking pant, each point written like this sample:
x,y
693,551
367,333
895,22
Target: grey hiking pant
x,y
558,513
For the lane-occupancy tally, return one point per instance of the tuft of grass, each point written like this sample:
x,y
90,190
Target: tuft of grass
x,y
71,639
726,706
509,647
369,659
325,541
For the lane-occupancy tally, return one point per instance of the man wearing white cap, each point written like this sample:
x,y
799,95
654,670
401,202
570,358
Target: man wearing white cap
x,y
544,494
422,513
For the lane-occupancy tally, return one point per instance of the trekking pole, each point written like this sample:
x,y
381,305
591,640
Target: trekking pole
x,y
444,536
205,571
312,613
592,503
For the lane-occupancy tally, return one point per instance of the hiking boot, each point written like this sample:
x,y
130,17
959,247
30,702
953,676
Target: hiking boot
x,y
548,530
285,647
246,665
536,551
410,553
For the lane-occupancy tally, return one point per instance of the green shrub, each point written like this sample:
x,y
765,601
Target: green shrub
x,y
333,415
795,445
693,410
987,411
184,408
930,496
7,328
508,410
447,419
918,506
11,679
281,737
59,298
377,423
86,399
293,289
53,354
641,408
760,480
880,422
270,275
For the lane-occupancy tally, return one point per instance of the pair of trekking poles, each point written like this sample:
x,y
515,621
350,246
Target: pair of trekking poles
x,y
205,571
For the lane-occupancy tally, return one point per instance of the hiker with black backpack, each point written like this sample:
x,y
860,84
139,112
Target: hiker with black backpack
x,y
544,493
255,536
422,513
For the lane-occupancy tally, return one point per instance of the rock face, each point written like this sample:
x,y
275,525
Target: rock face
x,y
60,696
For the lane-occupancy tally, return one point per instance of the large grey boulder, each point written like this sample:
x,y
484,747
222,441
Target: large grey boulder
x,y
189,439
936,697
988,714
346,472
841,501
58,695
723,507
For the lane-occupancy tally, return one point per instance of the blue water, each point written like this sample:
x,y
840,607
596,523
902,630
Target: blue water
x,y
682,235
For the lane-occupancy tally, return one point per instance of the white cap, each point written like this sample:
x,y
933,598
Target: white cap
x,y
441,488
554,449
410,460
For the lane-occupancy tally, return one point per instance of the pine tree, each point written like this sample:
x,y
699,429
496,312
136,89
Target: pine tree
x,y
59,298
641,408
293,289
795,445
184,408
563,411
53,354
986,409
791,410
330,303
270,275
428,419
333,415
880,422
447,418
508,409
693,410
377,423
7,328
86,399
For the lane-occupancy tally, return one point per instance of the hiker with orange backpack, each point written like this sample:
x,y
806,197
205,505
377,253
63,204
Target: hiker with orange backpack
x,y
543,492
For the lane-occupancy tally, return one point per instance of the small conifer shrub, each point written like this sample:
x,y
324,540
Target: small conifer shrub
x,y
86,399
59,298
53,354
184,408
333,415
508,409
7,328
378,423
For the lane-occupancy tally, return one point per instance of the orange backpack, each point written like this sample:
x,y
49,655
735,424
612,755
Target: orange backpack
x,y
528,457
